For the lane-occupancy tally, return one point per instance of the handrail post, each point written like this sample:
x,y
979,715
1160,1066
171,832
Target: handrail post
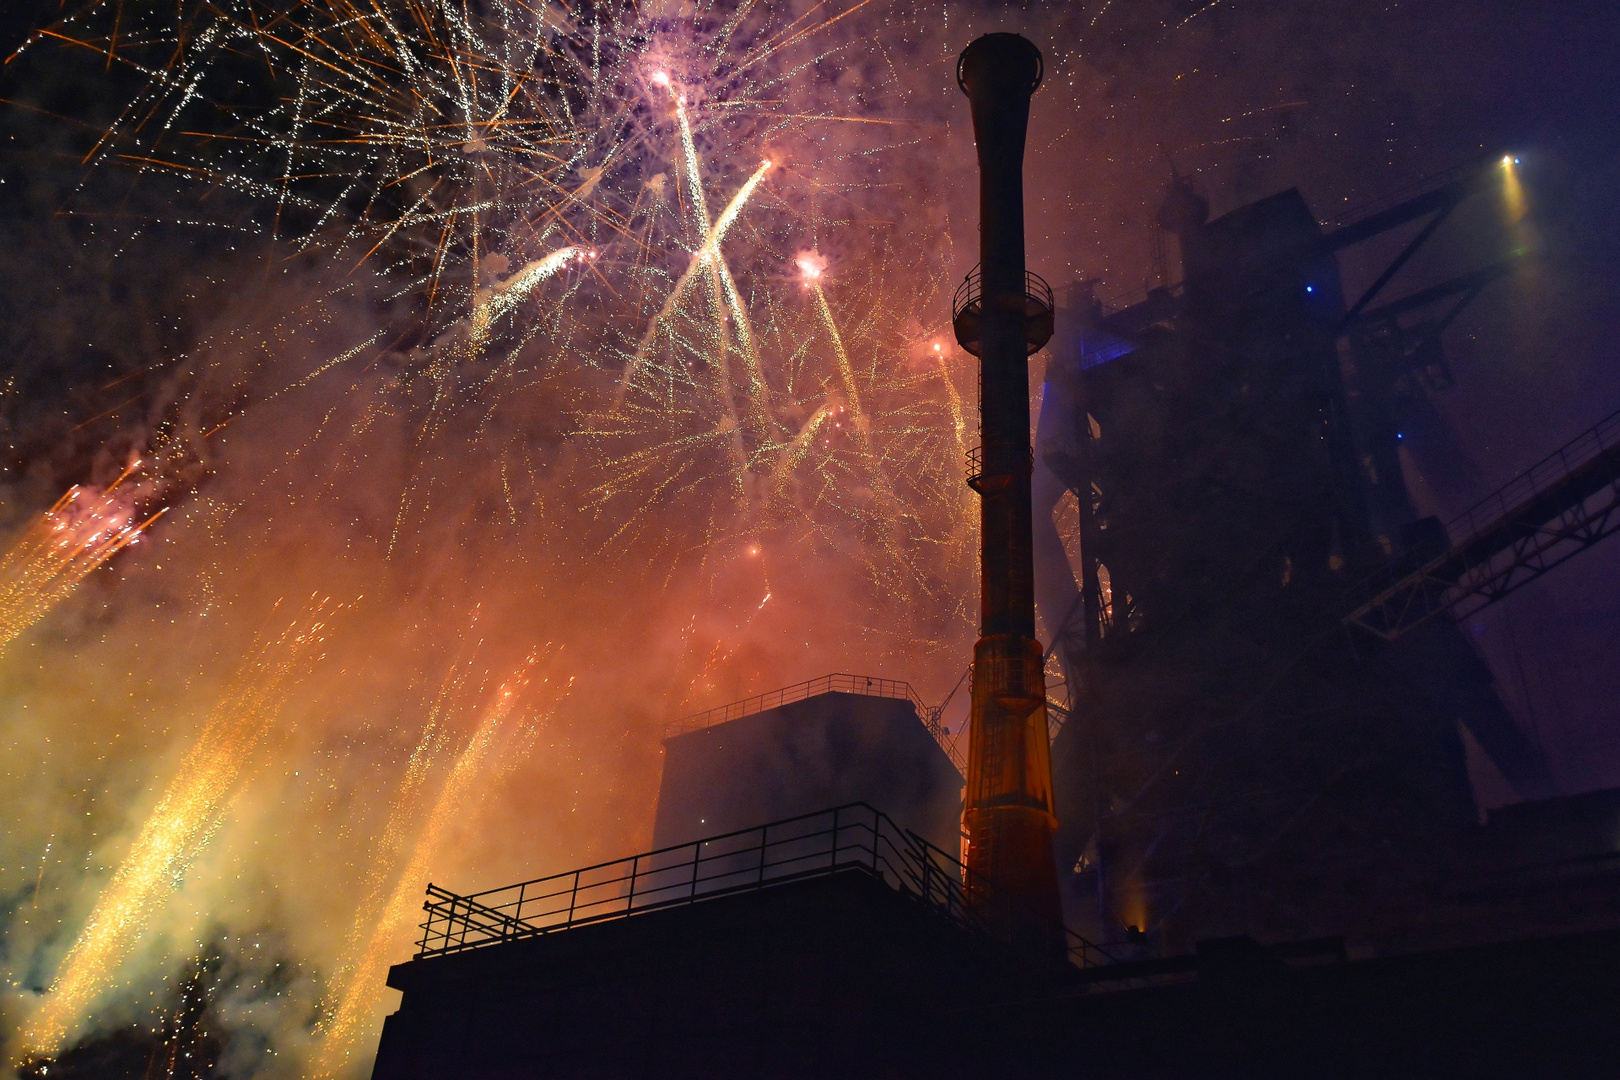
x,y
877,822
630,901
697,857
572,897
832,854
764,830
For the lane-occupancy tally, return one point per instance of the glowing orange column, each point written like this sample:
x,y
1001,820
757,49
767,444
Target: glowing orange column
x,y
1007,317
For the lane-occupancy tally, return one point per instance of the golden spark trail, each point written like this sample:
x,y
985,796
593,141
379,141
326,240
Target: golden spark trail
x,y
490,304
392,841
958,421
958,424
813,266
863,426
354,1009
793,453
711,244
694,179
179,827
80,533
706,256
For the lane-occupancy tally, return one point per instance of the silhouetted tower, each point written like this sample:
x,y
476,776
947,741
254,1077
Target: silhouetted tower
x,y
1002,314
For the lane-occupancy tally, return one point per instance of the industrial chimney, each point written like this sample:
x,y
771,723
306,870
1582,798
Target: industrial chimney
x,y
1003,314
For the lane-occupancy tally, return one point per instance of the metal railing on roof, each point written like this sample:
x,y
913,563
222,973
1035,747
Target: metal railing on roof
x,y
855,838
839,682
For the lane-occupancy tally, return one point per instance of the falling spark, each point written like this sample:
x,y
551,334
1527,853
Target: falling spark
x,y
375,888
364,986
793,454
846,371
186,817
706,257
490,304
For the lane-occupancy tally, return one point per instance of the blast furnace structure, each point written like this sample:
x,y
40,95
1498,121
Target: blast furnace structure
x,y
1268,696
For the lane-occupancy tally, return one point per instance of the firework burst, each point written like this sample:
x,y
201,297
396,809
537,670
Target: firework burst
x,y
79,534
540,179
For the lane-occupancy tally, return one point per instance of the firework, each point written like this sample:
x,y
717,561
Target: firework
x,y
78,535
543,177
363,978
186,817
596,369
500,299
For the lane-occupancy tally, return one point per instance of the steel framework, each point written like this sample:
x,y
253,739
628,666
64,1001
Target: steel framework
x,y
1558,508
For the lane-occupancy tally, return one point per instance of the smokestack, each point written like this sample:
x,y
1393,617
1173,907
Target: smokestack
x,y
1002,314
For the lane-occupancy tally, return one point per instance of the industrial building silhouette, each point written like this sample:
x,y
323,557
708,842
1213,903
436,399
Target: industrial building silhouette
x,y
1267,850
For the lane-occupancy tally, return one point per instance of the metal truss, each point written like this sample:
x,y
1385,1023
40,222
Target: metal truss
x,y
1558,508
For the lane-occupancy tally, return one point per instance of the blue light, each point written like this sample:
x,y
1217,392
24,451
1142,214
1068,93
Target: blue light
x,y
1310,288
1398,435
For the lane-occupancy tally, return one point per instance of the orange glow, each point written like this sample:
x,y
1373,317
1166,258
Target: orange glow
x,y
356,1004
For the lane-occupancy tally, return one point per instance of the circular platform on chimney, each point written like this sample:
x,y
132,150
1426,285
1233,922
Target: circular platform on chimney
x,y
967,312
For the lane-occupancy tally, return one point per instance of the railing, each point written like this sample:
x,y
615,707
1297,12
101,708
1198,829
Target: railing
x,y
976,477
854,838
839,683
967,311
972,286
1556,509
1545,475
